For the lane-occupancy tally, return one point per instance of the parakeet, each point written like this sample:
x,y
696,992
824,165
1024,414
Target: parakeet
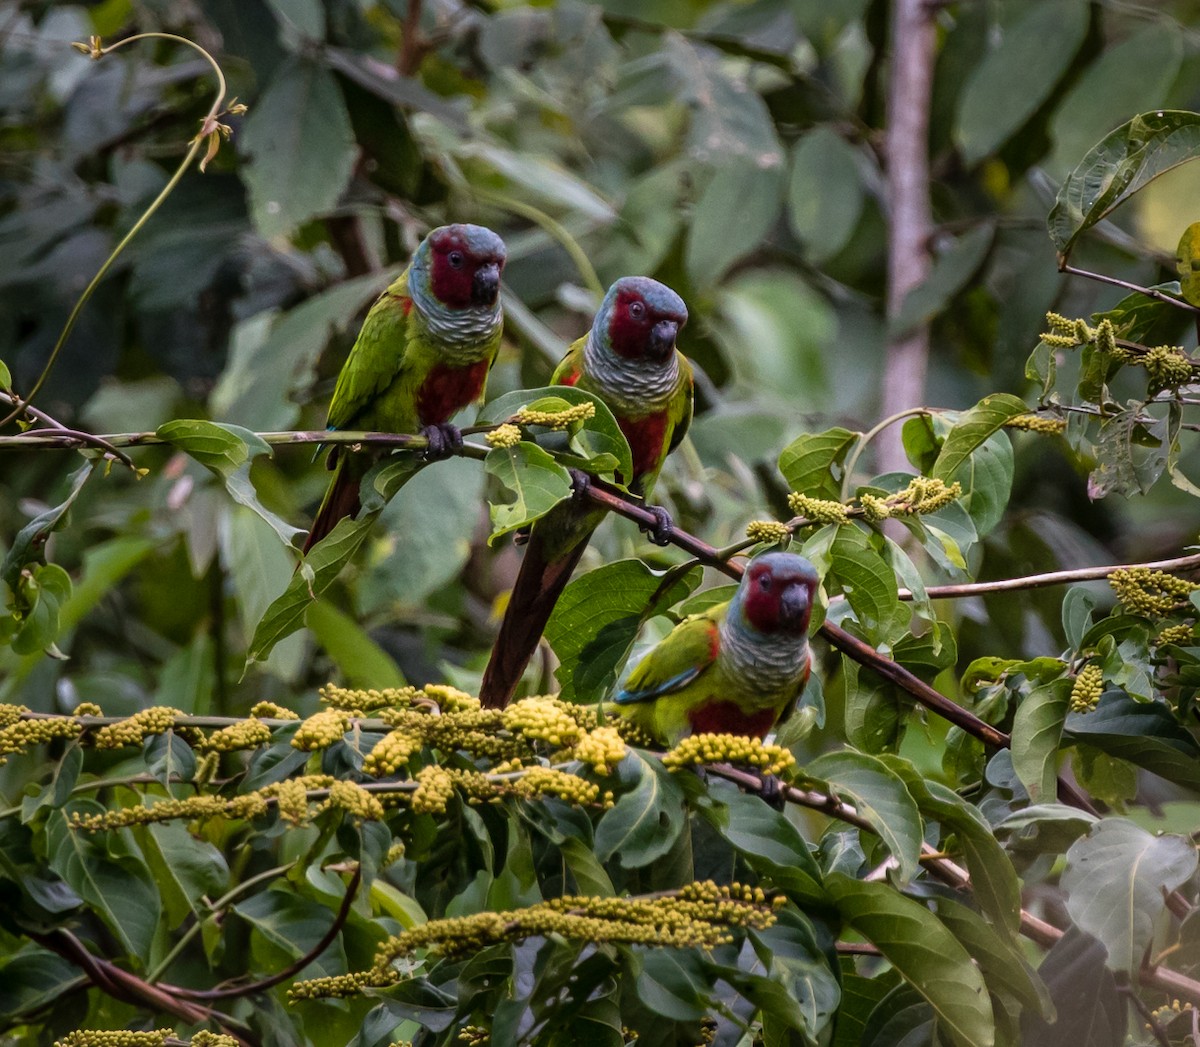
x,y
629,360
422,355
735,668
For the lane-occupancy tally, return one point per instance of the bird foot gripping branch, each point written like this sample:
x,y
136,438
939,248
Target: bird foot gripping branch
x,y
444,439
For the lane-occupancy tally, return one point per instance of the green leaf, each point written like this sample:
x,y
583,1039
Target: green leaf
x,y
186,870
1187,262
1016,78
925,953
825,194
997,888
1122,163
289,925
881,797
29,544
972,428
1045,828
361,660
5,377
591,440
301,147
227,450
770,844
735,212
119,887
1131,454
1144,733
1037,730
42,591
1004,967
951,272
597,618
1115,879
645,822
1077,609
325,560
537,480
1091,1011
671,986
868,582
808,463
986,477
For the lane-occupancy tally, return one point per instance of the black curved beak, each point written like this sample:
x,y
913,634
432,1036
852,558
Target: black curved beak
x,y
486,284
662,339
794,606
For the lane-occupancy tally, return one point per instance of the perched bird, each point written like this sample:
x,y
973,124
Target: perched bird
x,y
737,667
422,355
628,359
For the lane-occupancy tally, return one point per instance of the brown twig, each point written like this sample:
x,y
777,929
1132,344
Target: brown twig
x,y
291,969
1150,292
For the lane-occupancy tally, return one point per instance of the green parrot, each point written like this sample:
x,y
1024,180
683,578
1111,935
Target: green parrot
x,y
629,360
422,355
735,668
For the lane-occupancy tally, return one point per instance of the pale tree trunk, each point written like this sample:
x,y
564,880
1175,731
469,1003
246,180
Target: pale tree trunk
x,y
910,87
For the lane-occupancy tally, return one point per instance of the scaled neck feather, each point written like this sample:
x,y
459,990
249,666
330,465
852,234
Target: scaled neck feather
x,y
465,335
770,664
632,387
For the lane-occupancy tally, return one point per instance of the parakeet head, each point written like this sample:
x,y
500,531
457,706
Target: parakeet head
x,y
776,593
462,265
639,319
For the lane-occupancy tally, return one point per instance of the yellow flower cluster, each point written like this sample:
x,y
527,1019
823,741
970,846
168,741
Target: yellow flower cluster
x,y
245,734
247,806
321,730
471,730
391,752
206,768
435,789
291,797
394,854
272,711
728,748
1150,593
701,915
24,734
544,719
158,719
1168,366
602,749
474,1036
355,800
356,701
87,709
1175,634
549,781
506,435
1065,333
924,494
1086,691
204,1038
450,699
767,531
556,419
116,1038
10,714
818,510
1036,423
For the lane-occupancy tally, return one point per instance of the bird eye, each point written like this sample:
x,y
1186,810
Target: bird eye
x,y
456,259
764,582
637,310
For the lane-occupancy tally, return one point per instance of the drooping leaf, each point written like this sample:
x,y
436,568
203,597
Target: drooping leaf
x,y
301,146
1122,163
881,797
1037,729
925,953
1015,78
645,822
1115,879
811,463
30,541
972,428
868,583
597,618
534,477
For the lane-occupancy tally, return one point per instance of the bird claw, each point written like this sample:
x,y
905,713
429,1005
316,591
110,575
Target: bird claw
x,y
660,531
444,440
581,483
773,792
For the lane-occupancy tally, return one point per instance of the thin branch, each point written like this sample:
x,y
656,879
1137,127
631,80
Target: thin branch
x,y
292,968
1150,292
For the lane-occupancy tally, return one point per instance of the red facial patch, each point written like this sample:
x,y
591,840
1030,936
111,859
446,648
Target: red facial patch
x,y
447,390
451,287
647,439
727,718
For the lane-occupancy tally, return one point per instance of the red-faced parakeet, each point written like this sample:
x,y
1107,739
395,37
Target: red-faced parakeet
x,y
422,355
629,360
735,668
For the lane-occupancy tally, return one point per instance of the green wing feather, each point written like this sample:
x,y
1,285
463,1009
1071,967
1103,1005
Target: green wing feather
x,y
687,651
379,356
683,403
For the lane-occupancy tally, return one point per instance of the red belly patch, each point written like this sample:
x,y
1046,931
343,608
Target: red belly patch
x,y
647,439
727,718
447,390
